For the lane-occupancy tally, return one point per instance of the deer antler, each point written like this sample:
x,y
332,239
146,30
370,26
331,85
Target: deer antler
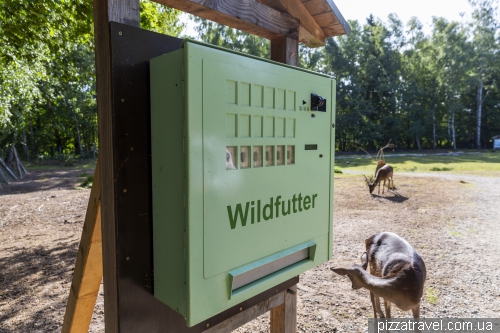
x,y
367,153
367,181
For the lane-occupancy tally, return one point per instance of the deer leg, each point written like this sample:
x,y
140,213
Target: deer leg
x,y
416,311
387,305
377,306
383,187
372,298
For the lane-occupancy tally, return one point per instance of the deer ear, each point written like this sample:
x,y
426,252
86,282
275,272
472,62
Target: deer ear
x,y
340,271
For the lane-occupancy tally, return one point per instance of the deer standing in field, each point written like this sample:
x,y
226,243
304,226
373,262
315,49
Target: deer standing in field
x,y
384,173
397,274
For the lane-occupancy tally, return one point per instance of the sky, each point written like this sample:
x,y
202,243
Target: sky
x,y
424,10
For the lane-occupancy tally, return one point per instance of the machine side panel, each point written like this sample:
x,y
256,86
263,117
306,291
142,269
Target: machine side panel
x,y
168,174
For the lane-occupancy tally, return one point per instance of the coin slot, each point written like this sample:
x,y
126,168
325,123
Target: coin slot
x,y
257,156
269,155
280,155
244,157
290,154
311,147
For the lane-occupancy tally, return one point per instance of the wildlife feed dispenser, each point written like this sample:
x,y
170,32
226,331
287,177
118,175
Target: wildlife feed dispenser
x,y
242,167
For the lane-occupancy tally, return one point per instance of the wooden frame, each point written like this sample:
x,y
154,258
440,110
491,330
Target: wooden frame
x,y
121,193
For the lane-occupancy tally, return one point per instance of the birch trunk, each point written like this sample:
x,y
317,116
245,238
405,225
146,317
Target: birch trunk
x,y
479,108
453,130
417,140
25,146
434,145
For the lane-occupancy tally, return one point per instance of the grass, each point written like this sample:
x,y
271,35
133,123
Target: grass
x,y
60,164
87,180
484,162
336,170
431,295
441,169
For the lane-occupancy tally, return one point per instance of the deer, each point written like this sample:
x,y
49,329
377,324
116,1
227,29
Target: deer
x,y
397,274
384,173
229,161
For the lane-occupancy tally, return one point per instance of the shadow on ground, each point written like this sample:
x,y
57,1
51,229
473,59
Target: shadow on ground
x,y
30,278
393,196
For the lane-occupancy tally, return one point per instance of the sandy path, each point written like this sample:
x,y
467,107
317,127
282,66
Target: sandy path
x,y
452,221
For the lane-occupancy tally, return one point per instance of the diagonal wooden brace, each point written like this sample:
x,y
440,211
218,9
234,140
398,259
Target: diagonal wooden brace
x,y
88,268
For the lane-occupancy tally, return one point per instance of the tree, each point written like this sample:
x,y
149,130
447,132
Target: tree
x,y
47,82
485,56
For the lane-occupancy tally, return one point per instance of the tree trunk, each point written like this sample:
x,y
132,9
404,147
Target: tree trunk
x,y
10,158
25,146
434,145
449,128
79,142
479,108
417,140
453,130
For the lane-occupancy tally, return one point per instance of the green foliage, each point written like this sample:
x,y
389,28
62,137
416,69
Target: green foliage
x,y
336,170
160,19
394,82
47,83
86,181
233,39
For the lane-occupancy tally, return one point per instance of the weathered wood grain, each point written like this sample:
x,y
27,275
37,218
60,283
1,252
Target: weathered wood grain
x,y
284,316
88,269
285,50
123,11
334,30
247,15
310,33
246,315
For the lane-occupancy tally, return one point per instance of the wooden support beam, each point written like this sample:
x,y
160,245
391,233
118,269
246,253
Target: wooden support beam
x,y
2,176
310,33
88,269
9,171
18,162
247,15
285,50
247,315
284,316
105,11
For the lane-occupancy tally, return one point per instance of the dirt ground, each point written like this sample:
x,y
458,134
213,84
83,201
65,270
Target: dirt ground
x,y
451,220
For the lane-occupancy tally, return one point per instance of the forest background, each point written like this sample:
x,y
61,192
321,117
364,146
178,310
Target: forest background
x,y
437,90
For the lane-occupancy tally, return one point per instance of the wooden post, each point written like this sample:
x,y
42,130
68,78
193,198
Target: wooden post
x,y
284,317
286,50
88,269
124,11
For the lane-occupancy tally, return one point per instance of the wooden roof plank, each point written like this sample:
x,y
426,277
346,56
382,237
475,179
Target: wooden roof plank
x,y
247,15
334,30
326,13
315,7
310,32
326,19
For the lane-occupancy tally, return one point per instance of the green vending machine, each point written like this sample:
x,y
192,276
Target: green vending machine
x,y
242,166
